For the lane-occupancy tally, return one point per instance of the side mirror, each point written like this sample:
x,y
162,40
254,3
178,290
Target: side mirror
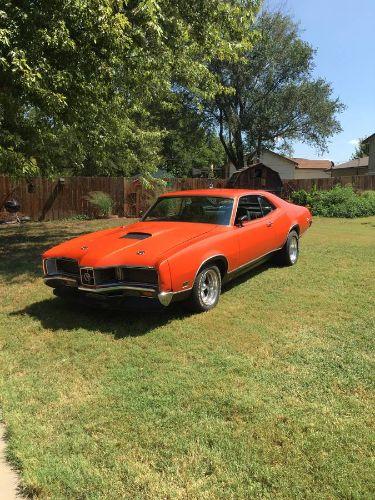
x,y
241,220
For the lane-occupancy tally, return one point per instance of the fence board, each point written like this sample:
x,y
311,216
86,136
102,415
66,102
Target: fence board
x,y
52,200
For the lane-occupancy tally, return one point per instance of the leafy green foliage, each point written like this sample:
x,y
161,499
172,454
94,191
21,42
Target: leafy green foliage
x,y
363,149
79,78
270,96
102,202
189,141
337,202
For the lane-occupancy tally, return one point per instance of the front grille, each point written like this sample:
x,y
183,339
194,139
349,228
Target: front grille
x,y
87,276
106,275
112,276
67,266
139,275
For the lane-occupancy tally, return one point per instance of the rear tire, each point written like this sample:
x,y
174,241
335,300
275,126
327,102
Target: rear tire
x,y
206,290
288,255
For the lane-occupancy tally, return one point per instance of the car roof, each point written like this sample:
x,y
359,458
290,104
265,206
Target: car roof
x,y
222,193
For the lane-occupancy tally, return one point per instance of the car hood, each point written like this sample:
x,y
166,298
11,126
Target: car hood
x,y
144,246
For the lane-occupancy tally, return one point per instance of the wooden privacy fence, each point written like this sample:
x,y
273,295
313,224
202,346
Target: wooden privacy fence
x,y
46,199
359,183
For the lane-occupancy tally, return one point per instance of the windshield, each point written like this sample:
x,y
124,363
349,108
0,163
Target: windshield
x,y
205,209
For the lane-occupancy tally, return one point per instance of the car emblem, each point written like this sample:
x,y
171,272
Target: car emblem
x,y
87,277
141,252
84,248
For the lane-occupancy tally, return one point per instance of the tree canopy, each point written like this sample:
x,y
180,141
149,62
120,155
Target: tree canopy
x,y
79,78
271,97
122,87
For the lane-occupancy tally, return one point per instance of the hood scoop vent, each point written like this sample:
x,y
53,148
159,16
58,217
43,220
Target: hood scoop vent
x,y
136,236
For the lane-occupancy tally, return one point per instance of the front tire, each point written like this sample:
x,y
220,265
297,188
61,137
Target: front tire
x,y
206,290
288,255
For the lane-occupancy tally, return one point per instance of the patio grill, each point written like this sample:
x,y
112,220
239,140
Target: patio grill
x,y
12,206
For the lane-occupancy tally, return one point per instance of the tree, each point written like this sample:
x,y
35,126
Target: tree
x,y
79,78
361,150
189,140
270,97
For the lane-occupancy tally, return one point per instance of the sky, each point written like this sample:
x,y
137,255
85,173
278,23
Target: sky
x,y
343,34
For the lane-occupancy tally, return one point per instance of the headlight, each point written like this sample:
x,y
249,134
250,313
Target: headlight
x,y
50,266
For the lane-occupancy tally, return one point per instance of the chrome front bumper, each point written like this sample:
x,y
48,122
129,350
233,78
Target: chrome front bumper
x,y
165,298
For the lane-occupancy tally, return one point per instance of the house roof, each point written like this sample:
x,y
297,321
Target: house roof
x,y
358,162
316,164
365,141
304,162
292,160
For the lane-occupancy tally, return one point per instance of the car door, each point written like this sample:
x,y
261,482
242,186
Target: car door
x,y
253,232
277,224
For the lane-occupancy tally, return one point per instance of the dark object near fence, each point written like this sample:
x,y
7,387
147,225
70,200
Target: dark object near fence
x,y
11,214
257,176
12,206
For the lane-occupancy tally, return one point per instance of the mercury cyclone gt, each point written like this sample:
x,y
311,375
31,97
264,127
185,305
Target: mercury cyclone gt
x,y
184,248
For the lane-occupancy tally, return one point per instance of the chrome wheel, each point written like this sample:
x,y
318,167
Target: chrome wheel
x,y
293,249
209,287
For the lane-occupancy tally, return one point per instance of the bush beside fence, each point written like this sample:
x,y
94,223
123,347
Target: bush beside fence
x,y
46,199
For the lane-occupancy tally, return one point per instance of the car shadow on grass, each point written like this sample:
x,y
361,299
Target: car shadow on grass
x,y
134,318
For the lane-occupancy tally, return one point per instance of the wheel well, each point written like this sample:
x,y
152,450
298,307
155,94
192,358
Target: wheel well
x,y
221,262
296,229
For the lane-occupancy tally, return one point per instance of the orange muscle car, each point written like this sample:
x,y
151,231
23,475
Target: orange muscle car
x,y
184,248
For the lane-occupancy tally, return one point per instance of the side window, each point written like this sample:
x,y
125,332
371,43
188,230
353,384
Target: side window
x,y
265,205
249,206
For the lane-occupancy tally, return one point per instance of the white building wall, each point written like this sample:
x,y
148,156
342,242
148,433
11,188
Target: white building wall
x,y
287,169
284,167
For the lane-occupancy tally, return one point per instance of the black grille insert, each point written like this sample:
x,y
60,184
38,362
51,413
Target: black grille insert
x,y
139,275
136,236
105,276
67,266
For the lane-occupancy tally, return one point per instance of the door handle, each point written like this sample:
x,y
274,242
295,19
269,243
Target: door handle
x,y
269,224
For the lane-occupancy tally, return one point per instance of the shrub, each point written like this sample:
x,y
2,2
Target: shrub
x,y
300,197
337,202
102,202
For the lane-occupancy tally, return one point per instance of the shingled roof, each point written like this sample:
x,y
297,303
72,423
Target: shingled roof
x,y
358,162
318,164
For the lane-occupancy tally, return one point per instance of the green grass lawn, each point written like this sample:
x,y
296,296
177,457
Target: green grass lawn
x,y
270,395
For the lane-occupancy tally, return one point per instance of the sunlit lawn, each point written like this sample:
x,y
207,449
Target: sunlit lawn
x,y
270,395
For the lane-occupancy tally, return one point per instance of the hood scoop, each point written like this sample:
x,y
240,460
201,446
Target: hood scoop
x,y
136,236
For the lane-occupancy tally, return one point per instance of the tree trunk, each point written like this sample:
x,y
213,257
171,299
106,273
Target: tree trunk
x,y
240,154
228,149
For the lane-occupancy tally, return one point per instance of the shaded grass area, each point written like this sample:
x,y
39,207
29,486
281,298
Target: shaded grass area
x,y
270,395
